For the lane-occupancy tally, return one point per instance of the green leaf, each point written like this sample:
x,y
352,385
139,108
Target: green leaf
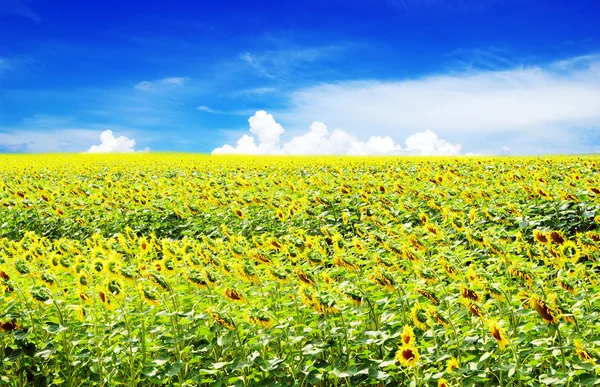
x,y
220,365
54,328
161,360
588,381
174,369
485,356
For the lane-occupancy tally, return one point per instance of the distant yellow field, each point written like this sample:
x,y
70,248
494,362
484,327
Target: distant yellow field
x,y
174,269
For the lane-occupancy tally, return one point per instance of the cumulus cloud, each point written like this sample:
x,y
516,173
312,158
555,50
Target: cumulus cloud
x,y
266,135
148,86
529,109
111,144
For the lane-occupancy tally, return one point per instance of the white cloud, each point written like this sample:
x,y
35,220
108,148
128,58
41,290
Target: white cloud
x,y
266,139
252,92
111,144
206,109
40,140
285,58
529,109
160,84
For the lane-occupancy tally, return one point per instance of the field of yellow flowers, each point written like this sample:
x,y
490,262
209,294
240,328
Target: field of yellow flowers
x,y
187,270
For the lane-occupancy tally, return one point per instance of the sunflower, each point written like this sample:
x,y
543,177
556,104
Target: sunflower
x,y
115,286
197,277
345,218
278,274
419,316
354,297
275,244
234,295
474,309
556,237
407,355
104,298
437,317
99,266
79,312
358,246
304,277
344,262
85,298
416,243
247,273
239,213
408,336
8,326
498,333
224,321
582,353
322,306
443,383
144,246
41,294
149,295
545,312
260,320
570,250
451,365
433,229
428,295
259,257
384,280
458,222
469,294
540,236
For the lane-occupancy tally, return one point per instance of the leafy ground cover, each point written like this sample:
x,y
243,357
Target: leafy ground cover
x,y
185,270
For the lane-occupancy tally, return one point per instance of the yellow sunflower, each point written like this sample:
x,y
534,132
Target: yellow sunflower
x,y
408,336
498,333
408,356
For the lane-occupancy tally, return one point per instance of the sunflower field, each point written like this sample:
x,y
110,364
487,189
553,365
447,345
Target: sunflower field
x,y
191,270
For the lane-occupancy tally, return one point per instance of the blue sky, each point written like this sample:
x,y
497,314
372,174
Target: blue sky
x,y
334,76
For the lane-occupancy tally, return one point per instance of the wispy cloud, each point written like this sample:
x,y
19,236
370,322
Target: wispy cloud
x,y
252,92
532,105
206,109
256,62
280,62
18,8
160,84
239,112
490,59
265,138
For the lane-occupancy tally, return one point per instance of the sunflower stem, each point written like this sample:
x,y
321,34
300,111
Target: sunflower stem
x,y
562,350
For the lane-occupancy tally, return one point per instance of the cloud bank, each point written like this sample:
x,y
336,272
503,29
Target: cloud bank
x,y
266,135
111,144
552,108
